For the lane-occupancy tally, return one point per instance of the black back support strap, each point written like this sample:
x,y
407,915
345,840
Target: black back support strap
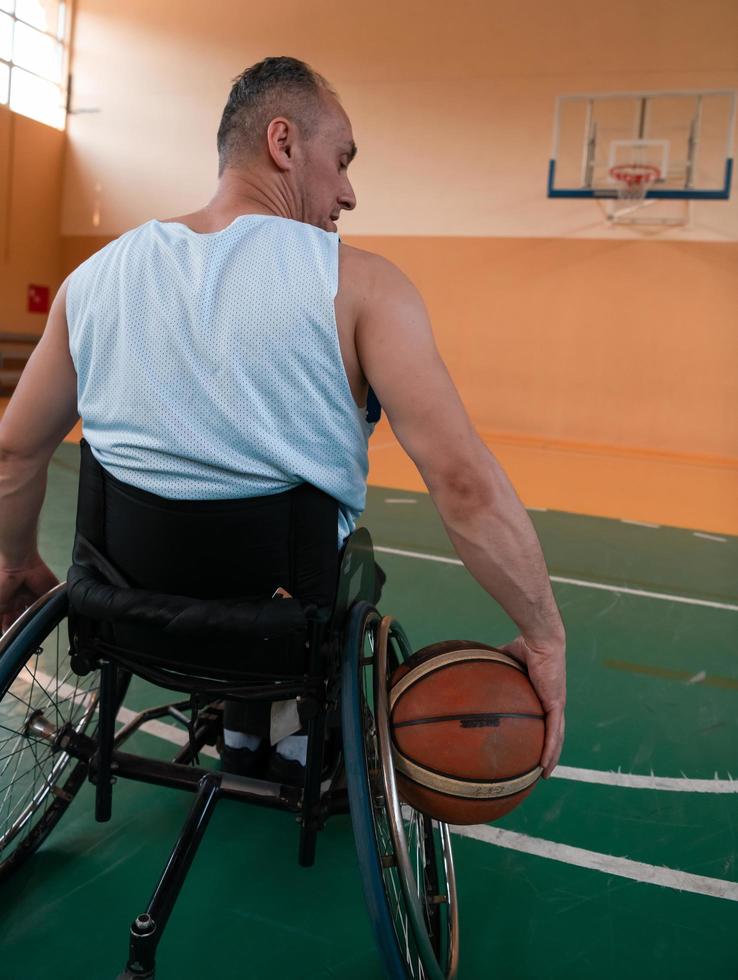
x,y
215,563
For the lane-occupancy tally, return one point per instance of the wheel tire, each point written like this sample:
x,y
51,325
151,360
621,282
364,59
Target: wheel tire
x,y
402,956
26,643
361,617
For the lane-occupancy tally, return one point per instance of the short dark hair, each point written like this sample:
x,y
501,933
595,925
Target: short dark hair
x,y
273,87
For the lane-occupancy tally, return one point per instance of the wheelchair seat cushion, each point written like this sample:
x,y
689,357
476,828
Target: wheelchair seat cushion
x,y
91,595
191,581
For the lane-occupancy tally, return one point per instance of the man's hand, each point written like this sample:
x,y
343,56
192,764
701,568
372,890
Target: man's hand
x,y
546,666
20,587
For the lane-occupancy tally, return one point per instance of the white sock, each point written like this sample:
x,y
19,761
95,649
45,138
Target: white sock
x,y
294,747
241,740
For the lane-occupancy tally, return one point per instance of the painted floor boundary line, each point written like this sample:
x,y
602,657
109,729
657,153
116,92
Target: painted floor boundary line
x,y
160,729
565,853
668,597
606,863
676,784
418,554
582,583
627,780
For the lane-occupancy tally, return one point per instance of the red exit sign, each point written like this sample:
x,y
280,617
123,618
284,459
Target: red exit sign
x,y
38,299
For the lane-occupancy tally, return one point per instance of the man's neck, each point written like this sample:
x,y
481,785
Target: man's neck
x,y
240,192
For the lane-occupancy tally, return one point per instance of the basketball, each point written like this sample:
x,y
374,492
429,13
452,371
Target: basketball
x,y
467,731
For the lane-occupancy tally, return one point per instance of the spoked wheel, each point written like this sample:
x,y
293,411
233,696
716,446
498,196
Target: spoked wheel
x,y
405,856
39,696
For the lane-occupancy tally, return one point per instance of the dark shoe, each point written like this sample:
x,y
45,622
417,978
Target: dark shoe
x,y
289,772
244,762
286,772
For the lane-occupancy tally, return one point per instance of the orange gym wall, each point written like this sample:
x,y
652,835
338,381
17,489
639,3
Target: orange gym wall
x,y
31,167
624,345
616,344
554,327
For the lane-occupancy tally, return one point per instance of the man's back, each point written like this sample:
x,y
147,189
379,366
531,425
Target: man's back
x,y
356,269
209,366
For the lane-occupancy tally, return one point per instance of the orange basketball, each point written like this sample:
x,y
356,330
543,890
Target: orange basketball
x,y
467,731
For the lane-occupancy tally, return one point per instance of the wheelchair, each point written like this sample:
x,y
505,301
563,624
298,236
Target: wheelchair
x,y
62,686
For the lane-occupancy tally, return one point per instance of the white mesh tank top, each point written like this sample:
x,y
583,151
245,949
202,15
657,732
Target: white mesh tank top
x,y
209,366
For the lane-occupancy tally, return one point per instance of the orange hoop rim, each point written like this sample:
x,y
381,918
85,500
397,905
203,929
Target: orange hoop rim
x,y
635,174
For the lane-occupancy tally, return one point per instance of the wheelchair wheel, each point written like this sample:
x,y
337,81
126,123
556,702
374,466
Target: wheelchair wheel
x,y
39,695
404,856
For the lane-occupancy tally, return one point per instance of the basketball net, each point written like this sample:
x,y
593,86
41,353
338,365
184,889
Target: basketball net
x,y
634,179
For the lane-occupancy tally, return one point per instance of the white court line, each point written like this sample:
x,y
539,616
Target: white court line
x,y
648,595
418,554
709,537
607,863
538,510
573,581
675,784
160,729
400,500
638,523
628,780
565,853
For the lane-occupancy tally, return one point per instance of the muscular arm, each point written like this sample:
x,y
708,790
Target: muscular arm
x,y
483,516
41,412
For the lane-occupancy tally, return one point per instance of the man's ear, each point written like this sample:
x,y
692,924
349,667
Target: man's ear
x,y
280,142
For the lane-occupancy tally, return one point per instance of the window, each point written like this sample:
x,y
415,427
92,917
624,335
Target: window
x,y
34,51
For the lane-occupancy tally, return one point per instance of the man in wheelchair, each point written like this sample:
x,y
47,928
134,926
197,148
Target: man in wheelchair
x,y
224,364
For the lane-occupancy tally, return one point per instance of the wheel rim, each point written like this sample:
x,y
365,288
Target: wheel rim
x,y
39,695
415,851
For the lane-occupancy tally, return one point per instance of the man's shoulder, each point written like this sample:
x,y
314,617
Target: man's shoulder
x,y
361,257
109,249
360,267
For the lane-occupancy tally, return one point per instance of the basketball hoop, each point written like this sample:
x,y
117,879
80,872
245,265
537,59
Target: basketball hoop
x,y
634,179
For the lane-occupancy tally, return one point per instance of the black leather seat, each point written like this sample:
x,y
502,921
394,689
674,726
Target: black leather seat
x,y
188,585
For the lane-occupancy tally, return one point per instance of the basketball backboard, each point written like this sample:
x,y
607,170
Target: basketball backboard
x,y
687,137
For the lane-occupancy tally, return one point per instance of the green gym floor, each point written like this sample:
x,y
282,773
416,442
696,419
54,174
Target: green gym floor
x,y
623,863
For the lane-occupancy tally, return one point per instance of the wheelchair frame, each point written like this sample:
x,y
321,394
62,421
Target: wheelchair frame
x,y
411,901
